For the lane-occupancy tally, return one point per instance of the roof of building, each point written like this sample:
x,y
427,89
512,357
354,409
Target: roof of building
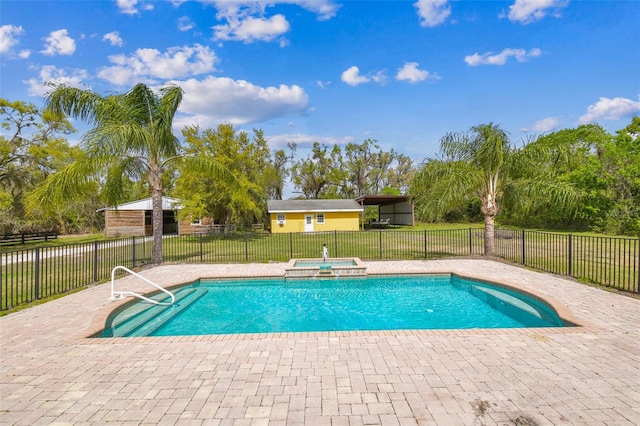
x,y
280,206
168,203
382,200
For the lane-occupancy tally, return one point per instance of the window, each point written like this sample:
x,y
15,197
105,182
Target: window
x,y
196,222
281,218
320,217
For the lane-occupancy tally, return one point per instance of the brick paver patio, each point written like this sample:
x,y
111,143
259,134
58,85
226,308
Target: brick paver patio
x,y
52,373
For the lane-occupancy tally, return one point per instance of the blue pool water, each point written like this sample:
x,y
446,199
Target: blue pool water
x,y
373,303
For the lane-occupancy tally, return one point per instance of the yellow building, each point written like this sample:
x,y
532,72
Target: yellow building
x,y
314,215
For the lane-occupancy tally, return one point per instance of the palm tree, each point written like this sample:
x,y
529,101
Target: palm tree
x,y
131,136
483,164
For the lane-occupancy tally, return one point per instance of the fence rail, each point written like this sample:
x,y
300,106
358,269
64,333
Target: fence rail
x,y
27,237
32,274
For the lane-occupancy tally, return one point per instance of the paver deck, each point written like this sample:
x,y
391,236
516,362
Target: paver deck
x,y
52,373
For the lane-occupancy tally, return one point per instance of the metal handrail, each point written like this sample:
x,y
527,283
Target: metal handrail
x,y
121,294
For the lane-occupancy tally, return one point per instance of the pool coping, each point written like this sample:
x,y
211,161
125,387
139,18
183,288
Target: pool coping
x,y
572,323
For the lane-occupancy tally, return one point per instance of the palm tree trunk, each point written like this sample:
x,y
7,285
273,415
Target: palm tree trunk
x,y
156,198
489,234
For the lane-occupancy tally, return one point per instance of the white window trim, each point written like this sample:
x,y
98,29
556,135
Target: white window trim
x,y
324,218
281,221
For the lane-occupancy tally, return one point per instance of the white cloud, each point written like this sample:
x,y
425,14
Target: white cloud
x,y
545,125
528,11
149,65
501,58
59,43
250,29
9,37
325,9
246,20
24,54
380,77
185,24
113,38
306,141
610,109
411,73
51,74
127,6
432,12
353,78
216,100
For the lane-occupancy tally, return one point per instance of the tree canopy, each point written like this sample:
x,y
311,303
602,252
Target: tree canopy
x,y
257,175
131,135
32,148
483,164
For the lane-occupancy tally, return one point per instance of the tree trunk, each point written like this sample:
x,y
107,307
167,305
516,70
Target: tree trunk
x,y
489,209
156,198
489,234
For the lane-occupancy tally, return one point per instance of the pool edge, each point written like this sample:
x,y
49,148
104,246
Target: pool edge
x,y
570,321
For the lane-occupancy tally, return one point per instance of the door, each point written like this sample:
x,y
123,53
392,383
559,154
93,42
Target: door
x,y
308,223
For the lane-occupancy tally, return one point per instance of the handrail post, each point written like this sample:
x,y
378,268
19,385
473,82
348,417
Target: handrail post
x,y
120,294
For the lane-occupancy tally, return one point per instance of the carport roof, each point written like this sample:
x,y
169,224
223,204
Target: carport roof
x,y
381,200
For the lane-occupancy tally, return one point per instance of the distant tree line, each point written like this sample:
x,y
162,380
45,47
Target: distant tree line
x,y
576,179
582,179
48,183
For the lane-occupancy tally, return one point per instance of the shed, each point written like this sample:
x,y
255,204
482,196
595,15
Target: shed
x,y
135,218
314,215
396,209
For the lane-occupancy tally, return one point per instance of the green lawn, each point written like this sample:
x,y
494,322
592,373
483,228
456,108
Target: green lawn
x,y
28,274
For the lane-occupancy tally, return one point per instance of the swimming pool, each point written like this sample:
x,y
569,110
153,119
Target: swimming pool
x,y
373,303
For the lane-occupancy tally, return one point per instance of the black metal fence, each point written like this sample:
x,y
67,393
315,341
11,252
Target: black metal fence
x,y
32,274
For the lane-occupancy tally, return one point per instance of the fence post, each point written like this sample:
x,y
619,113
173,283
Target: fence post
x,y
201,253
638,270
37,273
524,245
246,247
381,244
290,245
95,261
424,234
570,256
470,241
335,243
133,251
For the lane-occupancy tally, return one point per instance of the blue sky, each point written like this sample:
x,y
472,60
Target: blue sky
x,y
401,72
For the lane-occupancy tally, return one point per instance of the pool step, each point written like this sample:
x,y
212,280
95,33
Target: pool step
x,y
149,319
159,320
